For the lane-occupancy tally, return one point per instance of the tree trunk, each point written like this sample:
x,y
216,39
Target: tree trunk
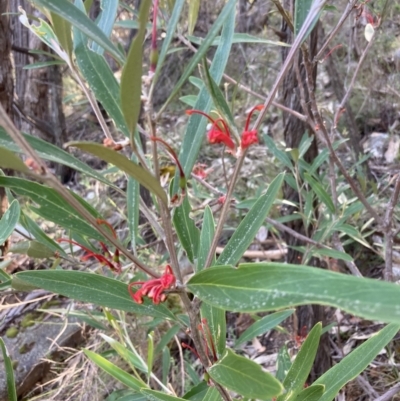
x,y
294,129
39,90
6,91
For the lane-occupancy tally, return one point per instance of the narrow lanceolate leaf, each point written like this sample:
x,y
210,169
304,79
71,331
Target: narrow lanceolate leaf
x,y
135,171
216,321
263,325
132,206
354,363
212,395
53,153
33,249
241,38
256,287
186,229
101,81
301,11
34,230
206,237
248,228
301,367
11,389
106,21
173,22
245,377
322,195
51,205
312,393
153,395
76,17
194,6
62,29
283,363
9,220
9,160
218,98
89,287
131,78
115,371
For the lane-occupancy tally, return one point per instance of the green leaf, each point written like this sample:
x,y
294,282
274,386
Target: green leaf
x,y
332,253
256,287
53,153
42,64
172,24
132,205
11,389
62,29
263,325
218,98
227,12
312,393
354,363
39,234
123,163
279,154
216,321
115,371
197,392
249,226
320,192
240,38
206,237
76,17
212,395
33,249
125,353
245,377
194,6
101,80
131,78
9,160
153,395
283,363
188,233
302,8
51,205
9,220
106,20
89,287
301,367
166,338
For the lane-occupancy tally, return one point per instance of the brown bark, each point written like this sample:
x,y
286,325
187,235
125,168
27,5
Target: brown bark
x,y
6,91
294,129
38,91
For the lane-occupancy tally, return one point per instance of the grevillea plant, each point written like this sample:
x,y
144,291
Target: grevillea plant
x,y
159,292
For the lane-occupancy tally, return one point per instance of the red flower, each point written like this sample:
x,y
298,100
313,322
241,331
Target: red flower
x,y
217,134
153,288
250,137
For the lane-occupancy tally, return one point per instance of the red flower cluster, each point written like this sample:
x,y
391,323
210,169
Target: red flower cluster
x,y
154,289
219,132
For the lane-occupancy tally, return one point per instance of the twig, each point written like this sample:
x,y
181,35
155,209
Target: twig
x,y
366,386
321,128
343,18
390,393
225,208
388,232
